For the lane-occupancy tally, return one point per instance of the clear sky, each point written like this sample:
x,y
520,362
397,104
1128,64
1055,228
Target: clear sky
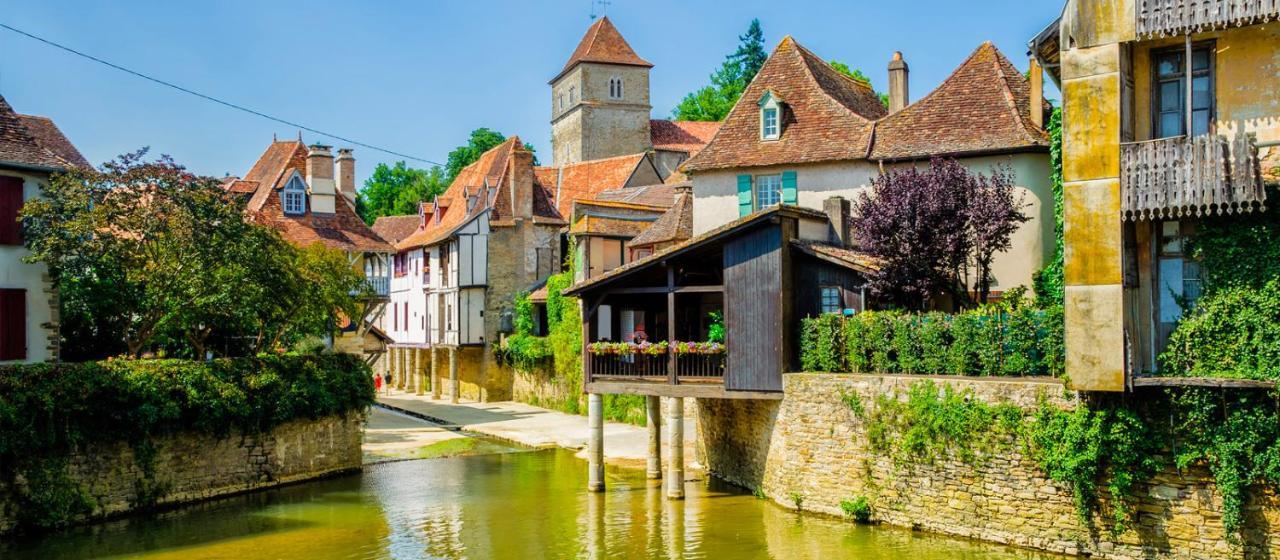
x,y
418,76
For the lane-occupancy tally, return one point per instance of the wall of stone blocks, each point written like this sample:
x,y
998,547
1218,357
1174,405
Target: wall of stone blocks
x,y
811,445
191,467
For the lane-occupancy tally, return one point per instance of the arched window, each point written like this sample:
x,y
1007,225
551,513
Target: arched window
x,y
293,199
615,88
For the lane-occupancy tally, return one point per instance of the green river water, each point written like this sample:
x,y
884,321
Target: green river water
x,y
526,505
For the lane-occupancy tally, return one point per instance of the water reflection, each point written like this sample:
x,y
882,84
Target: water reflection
x,y
514,506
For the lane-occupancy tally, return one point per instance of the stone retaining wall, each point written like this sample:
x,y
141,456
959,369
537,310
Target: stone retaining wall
x,y
193,467
810,446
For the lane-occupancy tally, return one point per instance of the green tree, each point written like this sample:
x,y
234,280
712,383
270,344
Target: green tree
x,y
480,141
396,190
713,102
858,75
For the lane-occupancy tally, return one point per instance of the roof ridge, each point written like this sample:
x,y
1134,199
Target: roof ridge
x,y
943,84
1010,99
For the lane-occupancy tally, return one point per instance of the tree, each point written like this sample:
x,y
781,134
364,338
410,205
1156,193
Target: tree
x,y
858,75
713,102
480,141
937,231
397,190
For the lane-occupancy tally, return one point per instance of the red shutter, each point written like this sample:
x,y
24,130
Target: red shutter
x,y
10,204
13,324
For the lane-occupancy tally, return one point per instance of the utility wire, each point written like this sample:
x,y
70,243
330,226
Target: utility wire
x,y
214,99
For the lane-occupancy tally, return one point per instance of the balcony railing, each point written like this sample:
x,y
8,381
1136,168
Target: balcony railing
x,y
688,367
1160,18
1176,177
379,285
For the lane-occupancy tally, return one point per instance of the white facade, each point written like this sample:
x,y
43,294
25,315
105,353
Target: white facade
x,y
29,278
437,293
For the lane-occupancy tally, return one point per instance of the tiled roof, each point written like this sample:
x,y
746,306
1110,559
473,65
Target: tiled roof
x,y
681,136
342,230
19,146
614,226
649,195
584,180
828,116
603,43
49,137
676,224
836,254
983,106
395,228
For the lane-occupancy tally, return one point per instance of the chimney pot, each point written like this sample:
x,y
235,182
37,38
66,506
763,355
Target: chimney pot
x,y
320,179
346,174
1037,93
898,80
837,209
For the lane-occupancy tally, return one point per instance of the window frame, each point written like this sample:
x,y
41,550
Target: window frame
x,y
823,292
755,190
615,87
1211,73
293,197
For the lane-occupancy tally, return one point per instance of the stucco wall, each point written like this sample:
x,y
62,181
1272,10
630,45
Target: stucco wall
x,y
811,445
41,309
716,202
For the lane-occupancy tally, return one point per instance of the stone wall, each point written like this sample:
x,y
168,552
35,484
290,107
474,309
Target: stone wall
x,y
193,467
810,445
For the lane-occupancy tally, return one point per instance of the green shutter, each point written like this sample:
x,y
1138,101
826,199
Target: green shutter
x,y
744,195
789,187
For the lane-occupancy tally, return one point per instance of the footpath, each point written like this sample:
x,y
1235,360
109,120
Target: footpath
x,y
624,444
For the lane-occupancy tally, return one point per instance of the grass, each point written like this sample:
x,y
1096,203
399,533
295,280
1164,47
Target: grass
x,y
458,447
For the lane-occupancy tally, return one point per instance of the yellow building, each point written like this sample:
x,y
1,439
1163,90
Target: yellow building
x,y
1148,148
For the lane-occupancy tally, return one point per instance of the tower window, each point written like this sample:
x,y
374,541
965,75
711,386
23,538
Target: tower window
x,y
615,88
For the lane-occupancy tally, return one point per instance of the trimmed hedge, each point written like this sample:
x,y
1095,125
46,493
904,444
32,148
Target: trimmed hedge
x,y
48,410
989,341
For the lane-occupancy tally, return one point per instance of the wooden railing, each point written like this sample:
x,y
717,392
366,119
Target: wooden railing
x,y
693,367
657,367
1175,177
1160,18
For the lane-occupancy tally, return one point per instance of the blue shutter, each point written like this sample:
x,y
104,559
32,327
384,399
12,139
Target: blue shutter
x,y
744,195
789,187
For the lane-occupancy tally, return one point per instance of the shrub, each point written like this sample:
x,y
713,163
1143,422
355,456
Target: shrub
x,y
822,344
856,344
906,343
935,342
880,340
1235,332
857,509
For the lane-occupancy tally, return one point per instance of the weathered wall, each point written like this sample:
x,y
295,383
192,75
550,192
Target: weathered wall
x,y
541,387
591,125
191,467
811,445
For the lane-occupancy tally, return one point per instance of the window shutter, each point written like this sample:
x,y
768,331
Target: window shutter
x,y
10,205
13,324
744,195
789,187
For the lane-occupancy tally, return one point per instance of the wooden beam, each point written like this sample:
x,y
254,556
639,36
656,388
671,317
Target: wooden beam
x,y
671,324
667,289
664,389
1219,382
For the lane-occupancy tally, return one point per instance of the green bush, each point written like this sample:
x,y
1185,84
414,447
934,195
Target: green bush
x,y
906,344
856,345
857,509
46,410
1234,332
822,339
935,342
880,340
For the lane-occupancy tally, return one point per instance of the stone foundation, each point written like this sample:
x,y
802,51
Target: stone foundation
x,y
811,446
193,467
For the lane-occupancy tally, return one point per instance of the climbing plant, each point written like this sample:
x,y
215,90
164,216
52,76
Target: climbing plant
x,y
1050,282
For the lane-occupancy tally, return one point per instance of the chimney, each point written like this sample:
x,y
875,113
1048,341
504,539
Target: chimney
x,y
520,173
346,175
1037,93
837,210
320,178
898,96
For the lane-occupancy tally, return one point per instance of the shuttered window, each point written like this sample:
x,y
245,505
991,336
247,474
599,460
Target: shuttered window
x,y
10,204
13,324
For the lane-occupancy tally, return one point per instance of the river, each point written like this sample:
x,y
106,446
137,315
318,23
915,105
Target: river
x,y
522,505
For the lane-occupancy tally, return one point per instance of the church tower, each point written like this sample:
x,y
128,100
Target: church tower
x,y
600,100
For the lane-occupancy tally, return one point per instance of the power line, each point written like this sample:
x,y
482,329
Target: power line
x,y
214,99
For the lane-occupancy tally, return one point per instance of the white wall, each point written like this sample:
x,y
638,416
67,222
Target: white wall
x,y
16,274
407,289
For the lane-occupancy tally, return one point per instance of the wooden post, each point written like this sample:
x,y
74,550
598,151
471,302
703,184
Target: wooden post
x,y
675,469
586,338
653,409
595,443
671,325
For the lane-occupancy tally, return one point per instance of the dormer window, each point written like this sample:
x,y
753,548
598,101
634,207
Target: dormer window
x,y
615,88
293,199
770,116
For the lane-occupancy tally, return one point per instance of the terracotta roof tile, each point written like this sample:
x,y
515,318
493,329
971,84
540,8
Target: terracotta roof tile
x,y
649,195
603,43
50,137
681,136
675,225
844,256
828,116
18,145
983,106
584,180
396,228
601,225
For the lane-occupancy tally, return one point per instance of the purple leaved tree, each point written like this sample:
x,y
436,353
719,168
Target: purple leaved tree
x,y
936,231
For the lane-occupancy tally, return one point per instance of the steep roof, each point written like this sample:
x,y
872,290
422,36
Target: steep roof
x,y
342,230
18,145
828,116
584,180
983,106
603,44
50,137
395,228
676,224
681,136
650,195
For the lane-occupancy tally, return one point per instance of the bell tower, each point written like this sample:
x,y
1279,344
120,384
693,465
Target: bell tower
x,y
600,100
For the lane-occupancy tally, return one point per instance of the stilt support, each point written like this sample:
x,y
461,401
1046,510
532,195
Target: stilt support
x,y
675,467
454,385
653,406
595,443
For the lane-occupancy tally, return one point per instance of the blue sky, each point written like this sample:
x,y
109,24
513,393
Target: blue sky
x,y
416,76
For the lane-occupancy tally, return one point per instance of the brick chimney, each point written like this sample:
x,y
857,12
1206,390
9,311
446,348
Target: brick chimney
x,y
898,96
320,178
837,209
520,172
346,175
1037,93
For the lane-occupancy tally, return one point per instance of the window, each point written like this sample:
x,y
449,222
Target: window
x,y
294,197
605,255
448,316
572,97
769,123
831,301
399,261
768,190
1169,94
13,324
10,205
561,101
615,88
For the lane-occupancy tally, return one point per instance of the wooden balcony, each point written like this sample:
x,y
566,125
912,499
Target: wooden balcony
x,y
1162,18
1190,177
668,367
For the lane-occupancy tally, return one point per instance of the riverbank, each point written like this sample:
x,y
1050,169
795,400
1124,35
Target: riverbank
x,y
625,445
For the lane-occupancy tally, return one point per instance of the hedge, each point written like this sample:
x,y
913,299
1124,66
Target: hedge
x,y
49,410
990,341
